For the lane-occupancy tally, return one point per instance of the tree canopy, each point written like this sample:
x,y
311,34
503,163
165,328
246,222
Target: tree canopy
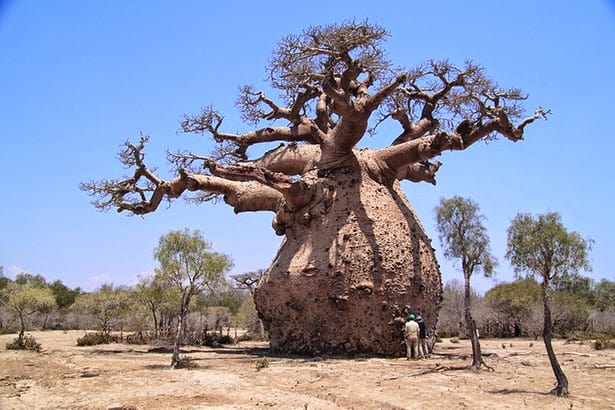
x,y
188,265
186,261
463,236
335,85
26,299
338,203
605,295
541,246
108,305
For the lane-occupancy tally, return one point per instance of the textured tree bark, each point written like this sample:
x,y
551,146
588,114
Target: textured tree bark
x,y
561,389
355,259
477,358
178,337
22,329
345,278
181,318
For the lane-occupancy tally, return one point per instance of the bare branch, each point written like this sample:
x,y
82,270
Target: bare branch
x,y
249,280
375,101
291,159
540,113
297,193
210,121
142,197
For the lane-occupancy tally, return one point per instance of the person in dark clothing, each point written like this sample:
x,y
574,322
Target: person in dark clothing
x,y
422,350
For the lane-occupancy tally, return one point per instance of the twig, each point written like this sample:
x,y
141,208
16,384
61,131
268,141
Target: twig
x,y
577,354
428,371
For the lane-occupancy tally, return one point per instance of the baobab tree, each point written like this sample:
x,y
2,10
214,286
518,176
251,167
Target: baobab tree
x,y
354,258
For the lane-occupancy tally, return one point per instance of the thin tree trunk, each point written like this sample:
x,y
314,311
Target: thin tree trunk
x,y
183,311
178,337
155,322
22,328
561,389
471,327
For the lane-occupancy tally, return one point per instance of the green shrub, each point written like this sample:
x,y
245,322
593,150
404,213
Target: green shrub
x,y
246,337
598,340
454,340
27,343
217,340
92,339
261,363
186,362
137,338
603,343
252,337
576,336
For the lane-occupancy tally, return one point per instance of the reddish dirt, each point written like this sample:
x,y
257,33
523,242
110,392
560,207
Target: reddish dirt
x,y
120,376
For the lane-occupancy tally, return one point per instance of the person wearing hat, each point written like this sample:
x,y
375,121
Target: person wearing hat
x,y
411,335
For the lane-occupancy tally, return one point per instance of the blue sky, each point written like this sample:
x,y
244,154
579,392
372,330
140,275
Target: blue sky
x,y
79,77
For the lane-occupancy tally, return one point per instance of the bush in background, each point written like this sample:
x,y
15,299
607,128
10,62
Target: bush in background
x,y
28,342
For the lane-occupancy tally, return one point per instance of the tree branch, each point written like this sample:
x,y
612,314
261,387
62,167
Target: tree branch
x,y
375,100
133,195
296,192
210,121
291,159
419,172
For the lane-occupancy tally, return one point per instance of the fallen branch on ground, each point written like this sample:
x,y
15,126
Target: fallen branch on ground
x,y
436,369
577,354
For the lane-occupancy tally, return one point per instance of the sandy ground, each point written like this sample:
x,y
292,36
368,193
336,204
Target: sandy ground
x,y
119,376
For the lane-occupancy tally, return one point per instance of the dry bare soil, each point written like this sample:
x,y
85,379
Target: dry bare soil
x,y
246,376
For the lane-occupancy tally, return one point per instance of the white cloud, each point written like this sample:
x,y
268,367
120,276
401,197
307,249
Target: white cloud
x,y
95,281
14,270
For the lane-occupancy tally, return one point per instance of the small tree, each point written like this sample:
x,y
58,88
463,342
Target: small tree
x,y
249,280
187,264
107,304
152,293
63,295
463,236
4,281
247,318
605,295
250,319
513,305
542,247
25,300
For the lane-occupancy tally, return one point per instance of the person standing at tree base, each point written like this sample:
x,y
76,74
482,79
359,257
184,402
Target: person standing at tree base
x,y
422,348
411,335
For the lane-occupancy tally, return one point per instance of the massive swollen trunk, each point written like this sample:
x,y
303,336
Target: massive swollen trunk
x,y
345,282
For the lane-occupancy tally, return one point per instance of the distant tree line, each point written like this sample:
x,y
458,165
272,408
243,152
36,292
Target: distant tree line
x,y
579,305
143,312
